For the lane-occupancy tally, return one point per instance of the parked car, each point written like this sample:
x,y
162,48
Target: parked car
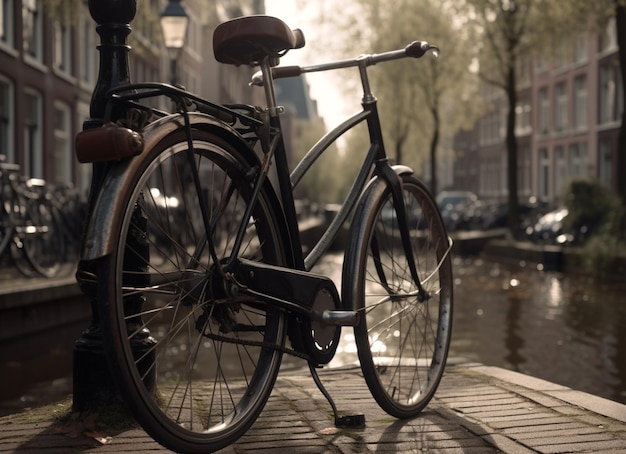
x,y
549,228
453,206
414,216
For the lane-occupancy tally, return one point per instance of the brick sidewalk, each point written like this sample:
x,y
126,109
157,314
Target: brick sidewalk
x,y
477,409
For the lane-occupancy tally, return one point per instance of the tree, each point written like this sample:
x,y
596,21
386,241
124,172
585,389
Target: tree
x,y
510,29
419,102
423,101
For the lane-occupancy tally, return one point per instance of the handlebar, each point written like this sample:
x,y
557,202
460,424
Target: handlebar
x,y
416,49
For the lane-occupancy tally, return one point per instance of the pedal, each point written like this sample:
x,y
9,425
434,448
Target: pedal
x,y
350,421
340,318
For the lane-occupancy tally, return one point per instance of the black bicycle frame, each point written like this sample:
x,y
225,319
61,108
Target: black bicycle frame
x,y
375,162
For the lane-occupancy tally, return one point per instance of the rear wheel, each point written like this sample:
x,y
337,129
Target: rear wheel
x,y
403,337
196,361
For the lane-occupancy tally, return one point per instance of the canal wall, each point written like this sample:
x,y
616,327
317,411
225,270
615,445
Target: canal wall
x,y
567,259
30,305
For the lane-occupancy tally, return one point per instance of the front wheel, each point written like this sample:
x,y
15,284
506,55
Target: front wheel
x,y
195,361
404,335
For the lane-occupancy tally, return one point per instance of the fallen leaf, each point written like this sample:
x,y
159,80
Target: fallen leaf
x,y
102,439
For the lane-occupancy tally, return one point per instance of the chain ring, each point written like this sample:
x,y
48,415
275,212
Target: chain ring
x,y
321,339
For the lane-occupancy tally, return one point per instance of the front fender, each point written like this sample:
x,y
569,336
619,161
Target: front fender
x,y
365,203
106,215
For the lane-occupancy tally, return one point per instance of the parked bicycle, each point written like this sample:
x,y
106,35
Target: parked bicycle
x,y
29,227
201,275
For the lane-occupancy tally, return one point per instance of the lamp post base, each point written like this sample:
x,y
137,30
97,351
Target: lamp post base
x,y
93,386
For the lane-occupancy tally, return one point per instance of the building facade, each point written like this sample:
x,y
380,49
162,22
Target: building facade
x,y
49,67
567,123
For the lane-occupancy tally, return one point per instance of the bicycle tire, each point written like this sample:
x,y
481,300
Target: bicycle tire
x,y
217,356
6,207
20,261
402,343
6,229
42,238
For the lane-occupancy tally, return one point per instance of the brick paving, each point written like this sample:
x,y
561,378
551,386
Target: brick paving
x,y
477,409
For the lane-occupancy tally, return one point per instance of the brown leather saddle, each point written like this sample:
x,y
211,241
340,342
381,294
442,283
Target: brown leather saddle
x,y
248,40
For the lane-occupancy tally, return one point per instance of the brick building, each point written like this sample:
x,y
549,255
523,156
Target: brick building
x,y
49,67
568,119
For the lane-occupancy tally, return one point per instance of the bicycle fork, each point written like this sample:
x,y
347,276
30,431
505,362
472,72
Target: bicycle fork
x,y
395,184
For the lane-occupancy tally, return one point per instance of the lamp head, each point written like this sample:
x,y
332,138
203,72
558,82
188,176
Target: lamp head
x,y
174,22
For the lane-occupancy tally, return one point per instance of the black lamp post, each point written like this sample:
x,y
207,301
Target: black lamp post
x,y
174,22
93,385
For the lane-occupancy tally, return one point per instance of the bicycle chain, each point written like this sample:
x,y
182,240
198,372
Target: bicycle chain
x,y
289,351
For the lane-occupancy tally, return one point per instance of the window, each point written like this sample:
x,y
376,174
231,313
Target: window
x,y
33,157
524,170
560,170
605,164
490,128
578,160
608,39
6,22
62,143
544,112
544,174
580,103
560,107
62,46
6,120
522,120
89,62
32,28
610,94
523,68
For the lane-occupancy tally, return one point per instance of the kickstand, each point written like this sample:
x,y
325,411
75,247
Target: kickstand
x,y
353,421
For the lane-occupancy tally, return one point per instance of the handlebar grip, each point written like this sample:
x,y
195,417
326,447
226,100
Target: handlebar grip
x,y
417,49
278,72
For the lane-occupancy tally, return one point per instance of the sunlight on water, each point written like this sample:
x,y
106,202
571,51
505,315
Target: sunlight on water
x,y
567,329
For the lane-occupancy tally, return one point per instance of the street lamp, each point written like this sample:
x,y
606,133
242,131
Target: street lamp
x,y
174,21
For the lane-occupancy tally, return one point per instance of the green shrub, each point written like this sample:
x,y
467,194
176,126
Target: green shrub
x,y
591,204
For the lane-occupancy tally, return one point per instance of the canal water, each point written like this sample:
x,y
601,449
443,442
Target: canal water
x,y
567,329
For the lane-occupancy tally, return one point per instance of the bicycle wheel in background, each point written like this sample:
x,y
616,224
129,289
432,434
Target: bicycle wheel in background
x,y
402,341
6,227
42,238
216,354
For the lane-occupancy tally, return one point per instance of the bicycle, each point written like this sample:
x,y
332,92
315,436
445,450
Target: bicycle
x,y
200,273
29,227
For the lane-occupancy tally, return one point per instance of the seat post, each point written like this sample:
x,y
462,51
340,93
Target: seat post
x,y
268,86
